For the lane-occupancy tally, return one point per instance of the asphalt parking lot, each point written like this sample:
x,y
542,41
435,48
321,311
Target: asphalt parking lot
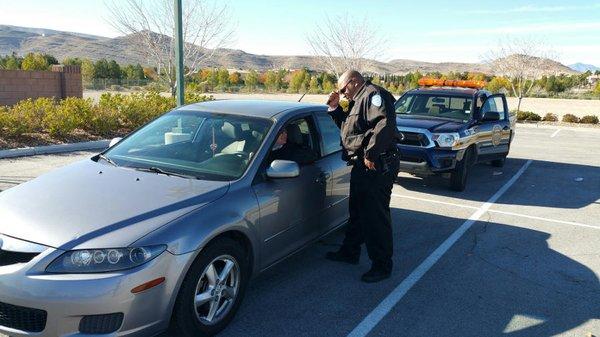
x,y
516,254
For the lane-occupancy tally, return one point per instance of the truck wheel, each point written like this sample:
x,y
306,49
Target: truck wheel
x,y
499,162
212,290
458,177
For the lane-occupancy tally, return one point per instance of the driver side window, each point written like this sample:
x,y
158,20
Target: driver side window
x,y
494,104
295,142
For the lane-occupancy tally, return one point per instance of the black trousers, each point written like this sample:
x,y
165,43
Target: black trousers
x,y
370,219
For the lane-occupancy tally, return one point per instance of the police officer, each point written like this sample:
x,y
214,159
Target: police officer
x,y
368,132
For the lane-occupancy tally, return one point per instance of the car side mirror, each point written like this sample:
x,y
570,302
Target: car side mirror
x,y
283,169
114,141
490,116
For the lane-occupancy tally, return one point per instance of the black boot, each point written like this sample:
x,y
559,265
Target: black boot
x,y
376,274
343,255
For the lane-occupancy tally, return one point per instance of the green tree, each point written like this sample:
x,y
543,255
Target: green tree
x,y
34,61
251,80
299,81
50,59
101,69
272,81
235,78
223,78
497,84
72,61
597,90
11,62
87,70
114,70
313,86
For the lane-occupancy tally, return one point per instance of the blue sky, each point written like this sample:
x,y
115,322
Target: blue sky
x,y
433,30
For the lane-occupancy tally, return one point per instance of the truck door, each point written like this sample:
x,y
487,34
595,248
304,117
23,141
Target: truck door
x,y
494,129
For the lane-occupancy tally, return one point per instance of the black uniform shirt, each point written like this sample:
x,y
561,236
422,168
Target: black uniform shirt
x,y
369,128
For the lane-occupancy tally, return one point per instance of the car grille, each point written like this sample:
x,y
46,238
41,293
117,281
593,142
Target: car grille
x,y
414,139
101,324
21,318
7,258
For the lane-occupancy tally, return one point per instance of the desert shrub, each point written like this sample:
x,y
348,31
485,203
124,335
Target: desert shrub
x,y
590,119
550,117
528,116
139,108
30,113
192,97
116,87
70,114
570,118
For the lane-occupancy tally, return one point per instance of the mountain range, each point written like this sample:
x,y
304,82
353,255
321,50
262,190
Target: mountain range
x,y
60,44
582,67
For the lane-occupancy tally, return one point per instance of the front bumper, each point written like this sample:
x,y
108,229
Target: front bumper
x,y
428,161
67,298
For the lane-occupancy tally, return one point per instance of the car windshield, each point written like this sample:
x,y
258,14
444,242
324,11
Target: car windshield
x,y
437,106
193,144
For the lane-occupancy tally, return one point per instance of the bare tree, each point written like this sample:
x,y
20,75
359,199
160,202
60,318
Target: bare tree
x,y
345,42
521,61
150,26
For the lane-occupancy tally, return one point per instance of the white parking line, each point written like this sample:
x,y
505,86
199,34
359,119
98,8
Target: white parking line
x,y
500,212
367,324
555,133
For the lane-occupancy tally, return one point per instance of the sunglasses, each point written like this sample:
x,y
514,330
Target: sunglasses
x,y
345,88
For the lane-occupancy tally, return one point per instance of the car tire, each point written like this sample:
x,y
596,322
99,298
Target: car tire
x,y
189,318
498,162
458,177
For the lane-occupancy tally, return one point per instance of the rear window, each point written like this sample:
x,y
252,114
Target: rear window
x,y
441,106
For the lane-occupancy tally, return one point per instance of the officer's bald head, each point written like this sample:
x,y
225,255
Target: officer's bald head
x,y
349,83
349,75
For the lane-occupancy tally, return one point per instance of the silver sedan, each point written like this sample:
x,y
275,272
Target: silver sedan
x,y
170,223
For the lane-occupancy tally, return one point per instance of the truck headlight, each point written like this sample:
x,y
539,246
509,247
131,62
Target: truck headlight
x,y
103,260
446,139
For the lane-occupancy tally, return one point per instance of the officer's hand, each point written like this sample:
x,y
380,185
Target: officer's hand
x,y
334,100
369,164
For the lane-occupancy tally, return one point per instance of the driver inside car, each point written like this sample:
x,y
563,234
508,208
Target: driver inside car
x,y
289,146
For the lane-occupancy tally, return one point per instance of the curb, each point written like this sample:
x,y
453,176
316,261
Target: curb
x,y
53,149
554,127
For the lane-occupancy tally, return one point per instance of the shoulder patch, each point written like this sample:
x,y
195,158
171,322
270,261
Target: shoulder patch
x,y
376,100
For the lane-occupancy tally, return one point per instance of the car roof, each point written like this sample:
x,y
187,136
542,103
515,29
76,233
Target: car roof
x,y
448,91
253,108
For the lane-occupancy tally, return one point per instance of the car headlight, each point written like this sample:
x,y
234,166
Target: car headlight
x,y
446,139
103,260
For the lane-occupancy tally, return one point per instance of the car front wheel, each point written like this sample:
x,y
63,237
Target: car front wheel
x,y
212,290
458,177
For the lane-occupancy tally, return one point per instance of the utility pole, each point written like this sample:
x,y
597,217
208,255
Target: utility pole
x,y
179,52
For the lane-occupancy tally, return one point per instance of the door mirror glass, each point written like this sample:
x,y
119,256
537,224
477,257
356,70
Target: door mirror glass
x,y
114,141
283,169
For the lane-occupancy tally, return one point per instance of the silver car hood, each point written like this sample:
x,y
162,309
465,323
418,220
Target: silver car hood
x,y
96,205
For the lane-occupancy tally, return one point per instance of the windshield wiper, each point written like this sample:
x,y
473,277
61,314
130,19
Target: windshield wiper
x,y
158,170
110,161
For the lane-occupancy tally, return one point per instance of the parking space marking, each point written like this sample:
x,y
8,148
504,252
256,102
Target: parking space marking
x,y
500,212
388,303
555,133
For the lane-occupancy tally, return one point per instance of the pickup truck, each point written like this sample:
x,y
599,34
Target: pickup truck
x,y
446,126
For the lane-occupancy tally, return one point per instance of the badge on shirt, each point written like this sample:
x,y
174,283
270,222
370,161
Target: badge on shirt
x,y
376,100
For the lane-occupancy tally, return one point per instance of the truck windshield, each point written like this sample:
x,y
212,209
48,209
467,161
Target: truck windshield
x,y
438,106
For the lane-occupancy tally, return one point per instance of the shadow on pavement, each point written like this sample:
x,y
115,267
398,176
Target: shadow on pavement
x,y
496,272
556,182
